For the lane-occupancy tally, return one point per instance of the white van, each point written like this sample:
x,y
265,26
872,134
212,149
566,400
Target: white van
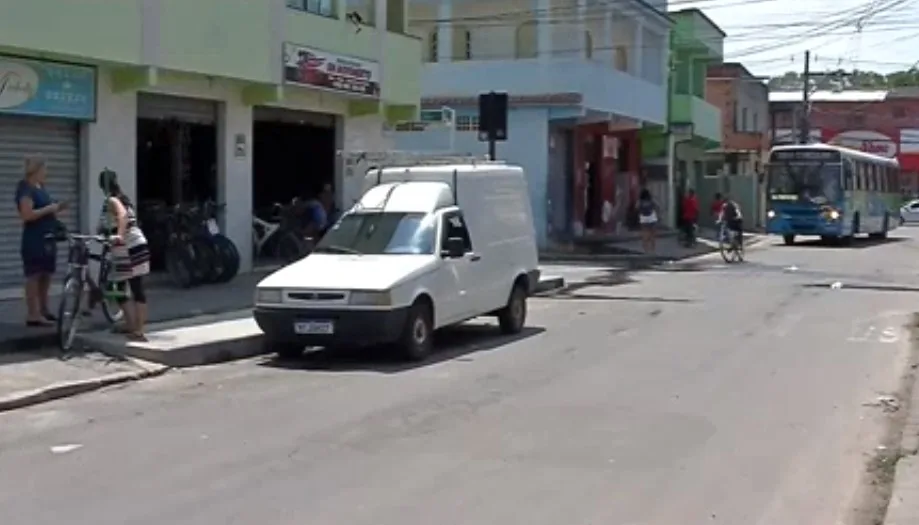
x,y
425,247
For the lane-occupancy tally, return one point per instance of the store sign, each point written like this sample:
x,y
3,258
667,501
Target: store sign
x,y
306,66
867,141
47,89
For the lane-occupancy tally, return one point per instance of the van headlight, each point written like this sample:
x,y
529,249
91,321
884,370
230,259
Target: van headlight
x,y
370,299
770,214
833,215
268,296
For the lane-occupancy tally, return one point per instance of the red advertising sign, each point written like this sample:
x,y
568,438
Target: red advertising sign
x,y
306,66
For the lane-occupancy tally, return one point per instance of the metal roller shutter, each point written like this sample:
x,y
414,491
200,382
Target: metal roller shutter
x,y
191,110
58,142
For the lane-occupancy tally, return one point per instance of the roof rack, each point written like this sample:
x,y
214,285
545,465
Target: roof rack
x,y
385,159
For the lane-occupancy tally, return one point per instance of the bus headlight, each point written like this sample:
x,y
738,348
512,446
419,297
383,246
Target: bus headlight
x,y
770,214
833,215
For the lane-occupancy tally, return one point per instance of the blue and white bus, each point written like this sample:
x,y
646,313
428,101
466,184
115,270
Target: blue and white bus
x,y
831,192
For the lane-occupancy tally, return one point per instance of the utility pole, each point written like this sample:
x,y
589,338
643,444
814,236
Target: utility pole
x,y
805,101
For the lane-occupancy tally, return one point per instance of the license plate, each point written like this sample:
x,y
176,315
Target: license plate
x,y
213,227
314,327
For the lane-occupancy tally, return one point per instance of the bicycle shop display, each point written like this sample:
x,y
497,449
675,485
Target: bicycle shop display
x,y
185,240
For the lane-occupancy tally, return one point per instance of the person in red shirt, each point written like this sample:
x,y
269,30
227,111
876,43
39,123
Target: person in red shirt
x,y
690,214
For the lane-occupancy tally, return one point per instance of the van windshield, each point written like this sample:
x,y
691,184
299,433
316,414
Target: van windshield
x,y
375,233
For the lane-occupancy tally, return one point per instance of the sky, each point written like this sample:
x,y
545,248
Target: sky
x,y
770,36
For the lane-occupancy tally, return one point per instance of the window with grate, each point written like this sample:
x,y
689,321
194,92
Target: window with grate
x,y
467,123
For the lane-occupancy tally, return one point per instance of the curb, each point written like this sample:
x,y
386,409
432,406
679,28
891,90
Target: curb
x,y
548,284
64,389
634,257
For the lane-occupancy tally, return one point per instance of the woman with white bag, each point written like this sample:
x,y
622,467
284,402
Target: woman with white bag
x,y
647,219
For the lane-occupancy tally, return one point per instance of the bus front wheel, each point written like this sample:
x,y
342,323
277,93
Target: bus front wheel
x,y
789,239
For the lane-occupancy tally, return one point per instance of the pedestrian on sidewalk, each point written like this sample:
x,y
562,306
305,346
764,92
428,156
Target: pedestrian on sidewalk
x,y
717,205
38,212
690,214
647,218
130,255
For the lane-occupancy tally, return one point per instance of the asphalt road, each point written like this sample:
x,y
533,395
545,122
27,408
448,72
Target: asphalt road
x,y
714,394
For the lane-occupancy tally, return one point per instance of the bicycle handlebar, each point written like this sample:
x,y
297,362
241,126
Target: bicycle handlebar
x,y
101,239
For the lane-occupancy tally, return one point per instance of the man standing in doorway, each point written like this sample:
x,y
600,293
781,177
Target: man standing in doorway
x,y
321,212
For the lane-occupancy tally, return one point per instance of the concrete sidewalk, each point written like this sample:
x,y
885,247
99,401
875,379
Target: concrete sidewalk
x,y
30,378
166,304
630,250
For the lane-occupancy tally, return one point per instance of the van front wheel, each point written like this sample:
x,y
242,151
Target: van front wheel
x,y
417,340
512,317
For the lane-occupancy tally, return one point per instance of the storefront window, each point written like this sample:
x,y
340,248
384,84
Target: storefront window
x,y
319,7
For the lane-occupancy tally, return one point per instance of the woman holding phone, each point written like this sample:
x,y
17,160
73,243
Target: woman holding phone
x,y
38,212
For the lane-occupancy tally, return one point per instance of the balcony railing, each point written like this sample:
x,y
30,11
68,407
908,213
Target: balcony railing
x,y
602,88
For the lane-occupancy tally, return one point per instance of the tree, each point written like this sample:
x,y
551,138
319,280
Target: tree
x,y
841,79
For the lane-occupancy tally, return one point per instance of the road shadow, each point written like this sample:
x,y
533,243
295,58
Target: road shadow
x,y
453,343
858,243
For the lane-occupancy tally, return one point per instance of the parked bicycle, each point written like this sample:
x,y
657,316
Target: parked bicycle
x,y
186,241
281,232
78,280
730,244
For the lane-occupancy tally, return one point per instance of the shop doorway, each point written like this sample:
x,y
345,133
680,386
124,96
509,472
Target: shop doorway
x,y
176,150
293,155
176,163
293,162
594,189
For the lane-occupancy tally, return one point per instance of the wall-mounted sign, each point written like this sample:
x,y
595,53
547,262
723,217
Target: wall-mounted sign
x,y
868,141
47,89
240,145
311,67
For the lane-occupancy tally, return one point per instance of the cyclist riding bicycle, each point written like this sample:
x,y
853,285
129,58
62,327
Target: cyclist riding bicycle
x,y
731,217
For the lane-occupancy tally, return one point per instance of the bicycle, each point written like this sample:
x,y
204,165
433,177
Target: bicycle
x,y
284,231
76,281
732,250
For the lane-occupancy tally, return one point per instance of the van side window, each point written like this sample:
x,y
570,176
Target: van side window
x,y
455,226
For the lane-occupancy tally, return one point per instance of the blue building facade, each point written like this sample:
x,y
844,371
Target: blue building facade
x,y
581,83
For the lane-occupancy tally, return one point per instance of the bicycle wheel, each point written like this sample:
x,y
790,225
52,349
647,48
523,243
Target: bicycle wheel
x,y
738,248
290,248
208,260
227,251
68,311
111,309
179,265
724,247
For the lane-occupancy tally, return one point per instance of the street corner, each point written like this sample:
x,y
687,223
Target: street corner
x,y
548,284
32,378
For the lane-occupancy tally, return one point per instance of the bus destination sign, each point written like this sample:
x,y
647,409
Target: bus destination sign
x,y
805,154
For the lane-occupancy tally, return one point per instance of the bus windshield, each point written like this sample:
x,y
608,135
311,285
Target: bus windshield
x,y
805,181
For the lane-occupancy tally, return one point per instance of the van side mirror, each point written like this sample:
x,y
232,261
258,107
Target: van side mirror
x,y
453,248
